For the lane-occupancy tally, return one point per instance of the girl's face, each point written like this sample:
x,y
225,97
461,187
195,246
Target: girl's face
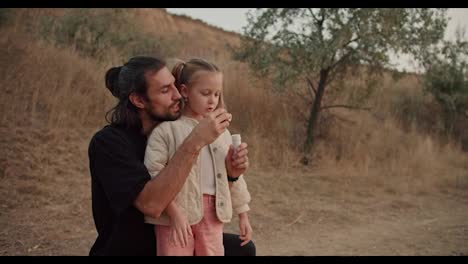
x,y
203,93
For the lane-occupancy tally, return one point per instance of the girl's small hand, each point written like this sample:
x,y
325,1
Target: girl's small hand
x,y
180,230
211,126
237,161
245,228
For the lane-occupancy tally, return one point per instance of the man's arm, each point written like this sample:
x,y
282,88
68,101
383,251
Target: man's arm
x,y
161,190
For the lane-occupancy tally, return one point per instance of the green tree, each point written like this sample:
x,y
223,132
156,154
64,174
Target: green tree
x,y
321,45
446,77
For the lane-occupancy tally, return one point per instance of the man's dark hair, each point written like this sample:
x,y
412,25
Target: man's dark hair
x,y
126,79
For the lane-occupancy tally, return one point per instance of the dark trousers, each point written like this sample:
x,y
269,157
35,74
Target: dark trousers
x,y
232,246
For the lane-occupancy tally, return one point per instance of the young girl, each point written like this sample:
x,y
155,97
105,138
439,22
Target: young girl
x,y
192,224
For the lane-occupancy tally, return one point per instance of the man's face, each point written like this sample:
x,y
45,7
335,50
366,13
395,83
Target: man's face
x,y
164,100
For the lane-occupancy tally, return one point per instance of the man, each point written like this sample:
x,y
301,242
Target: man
x,y
122,189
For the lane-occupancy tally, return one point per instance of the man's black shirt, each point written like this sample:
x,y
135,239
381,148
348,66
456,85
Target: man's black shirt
x,y
118,175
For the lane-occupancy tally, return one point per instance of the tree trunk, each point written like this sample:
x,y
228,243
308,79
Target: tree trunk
x,y
314,114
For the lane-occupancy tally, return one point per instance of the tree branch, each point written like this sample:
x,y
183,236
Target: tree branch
x,y
320,25
342,119
303,97
331,77
322,12
341,59
313,15
346,106
351,41
311,85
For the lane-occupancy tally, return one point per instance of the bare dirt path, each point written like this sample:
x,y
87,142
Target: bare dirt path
x,y
45,207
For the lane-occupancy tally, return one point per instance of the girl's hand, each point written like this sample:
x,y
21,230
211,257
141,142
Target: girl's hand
x,y
180,230
210,127
237,161
245,228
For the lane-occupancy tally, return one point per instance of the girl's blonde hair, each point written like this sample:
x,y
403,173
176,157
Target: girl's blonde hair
x,y
184,73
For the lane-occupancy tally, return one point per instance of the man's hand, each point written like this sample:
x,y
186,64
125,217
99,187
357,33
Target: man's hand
x,y
237,161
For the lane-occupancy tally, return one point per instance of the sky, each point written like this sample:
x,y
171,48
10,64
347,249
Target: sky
x,y
233,19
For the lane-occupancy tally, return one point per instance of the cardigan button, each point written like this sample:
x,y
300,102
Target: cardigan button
x,y
219,175
214,149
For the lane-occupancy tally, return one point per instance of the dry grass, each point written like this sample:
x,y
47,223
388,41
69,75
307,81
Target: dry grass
x,y
401,161
46,204
49,86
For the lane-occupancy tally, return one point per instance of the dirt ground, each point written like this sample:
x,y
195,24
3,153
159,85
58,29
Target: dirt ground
x,y
45,206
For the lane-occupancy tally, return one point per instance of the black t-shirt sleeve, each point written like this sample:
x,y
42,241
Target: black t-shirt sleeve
x,y
115,165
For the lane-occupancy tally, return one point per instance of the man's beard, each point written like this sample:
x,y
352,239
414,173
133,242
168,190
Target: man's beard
x,y
168,116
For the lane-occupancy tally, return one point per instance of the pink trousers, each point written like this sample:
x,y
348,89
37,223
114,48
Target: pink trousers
x,y
207,237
